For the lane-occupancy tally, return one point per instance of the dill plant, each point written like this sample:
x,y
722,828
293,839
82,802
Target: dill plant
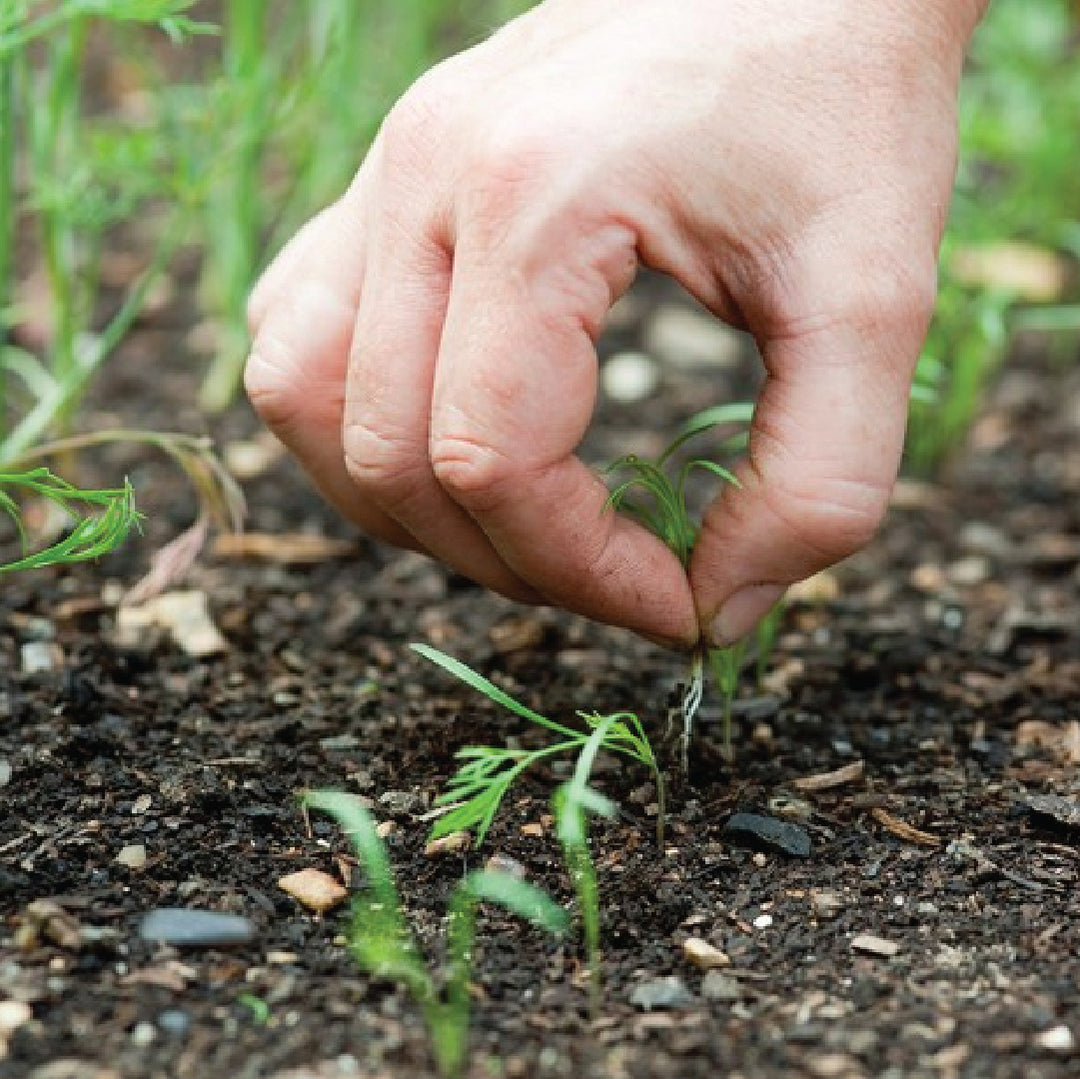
x,y
477,789
654,492
382,943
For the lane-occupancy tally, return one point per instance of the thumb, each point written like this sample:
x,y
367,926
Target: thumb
x,y
824,449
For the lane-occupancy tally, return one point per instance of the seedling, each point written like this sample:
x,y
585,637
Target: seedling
x,y
665,513
101,519
477,789
573,802
382,943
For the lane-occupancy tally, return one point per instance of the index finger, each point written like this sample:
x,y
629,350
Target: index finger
x,y
514,391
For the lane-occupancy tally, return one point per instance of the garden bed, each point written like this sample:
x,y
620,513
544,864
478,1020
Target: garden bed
x,y
933,930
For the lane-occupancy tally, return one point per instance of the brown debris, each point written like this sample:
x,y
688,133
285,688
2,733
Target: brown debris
x,y
823,781
284,548
903,830
314,889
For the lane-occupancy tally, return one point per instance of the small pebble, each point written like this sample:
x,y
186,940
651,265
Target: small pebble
x,y
400,803
13,1014
752,829
826,903
133,856
1057,1039
720,988
866,942
704,955
763,921
502,863
629,377
175,1022
186,928
143,1035
40,656
454,843
685,338
662,993
5,772
315,889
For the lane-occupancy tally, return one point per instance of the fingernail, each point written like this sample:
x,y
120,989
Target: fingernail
x,y
742,612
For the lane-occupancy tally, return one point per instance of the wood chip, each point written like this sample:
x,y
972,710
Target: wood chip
x,y
703,955
453,843
314,889
903,830
184,615
867,942
284,548
823,781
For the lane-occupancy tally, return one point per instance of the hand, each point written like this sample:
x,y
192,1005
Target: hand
x,y
426,344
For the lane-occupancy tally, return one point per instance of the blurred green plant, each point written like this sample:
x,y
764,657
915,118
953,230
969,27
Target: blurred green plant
x,y
1018,181
383,945
302,91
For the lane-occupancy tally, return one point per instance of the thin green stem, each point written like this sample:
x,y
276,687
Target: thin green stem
x,y
8,112
36,423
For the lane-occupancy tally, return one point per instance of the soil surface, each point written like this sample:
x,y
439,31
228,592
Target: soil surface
x,y
933,931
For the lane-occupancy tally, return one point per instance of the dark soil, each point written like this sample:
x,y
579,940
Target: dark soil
x,y
945,658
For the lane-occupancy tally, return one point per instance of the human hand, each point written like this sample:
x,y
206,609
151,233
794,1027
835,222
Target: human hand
x,y
426,344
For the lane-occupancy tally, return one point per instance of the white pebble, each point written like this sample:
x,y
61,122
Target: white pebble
x,y
629,377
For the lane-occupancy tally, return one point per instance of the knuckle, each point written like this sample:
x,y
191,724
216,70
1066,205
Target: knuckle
x,y
473,473
893,295
376,461
419,121
272,382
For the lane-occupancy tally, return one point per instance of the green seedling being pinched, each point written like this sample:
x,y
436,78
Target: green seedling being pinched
x,y
477,789
383,944
664,511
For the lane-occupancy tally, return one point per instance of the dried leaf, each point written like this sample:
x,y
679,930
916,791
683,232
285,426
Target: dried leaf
x,y
284,548
903,830
823,781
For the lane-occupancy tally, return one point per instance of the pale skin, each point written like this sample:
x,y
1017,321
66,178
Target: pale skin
x,y
426,345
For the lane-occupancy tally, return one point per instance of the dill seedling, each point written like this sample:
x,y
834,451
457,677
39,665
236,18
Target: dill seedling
x,y
382,943
477,789
664,512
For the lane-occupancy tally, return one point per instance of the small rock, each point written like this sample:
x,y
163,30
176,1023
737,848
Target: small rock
x,y
385,829
1054,809
186,928
5,772
175,1022
720,988
502,863
314,889
754,830
453,843
763,921
629,377
400,803
339,741
866,942
141,805
46,920
133,856
662,993
73,1068
966,572
143,1035
13,1014
38,657
704,955
826,903
685,338
534,829
185,615
1057,1039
